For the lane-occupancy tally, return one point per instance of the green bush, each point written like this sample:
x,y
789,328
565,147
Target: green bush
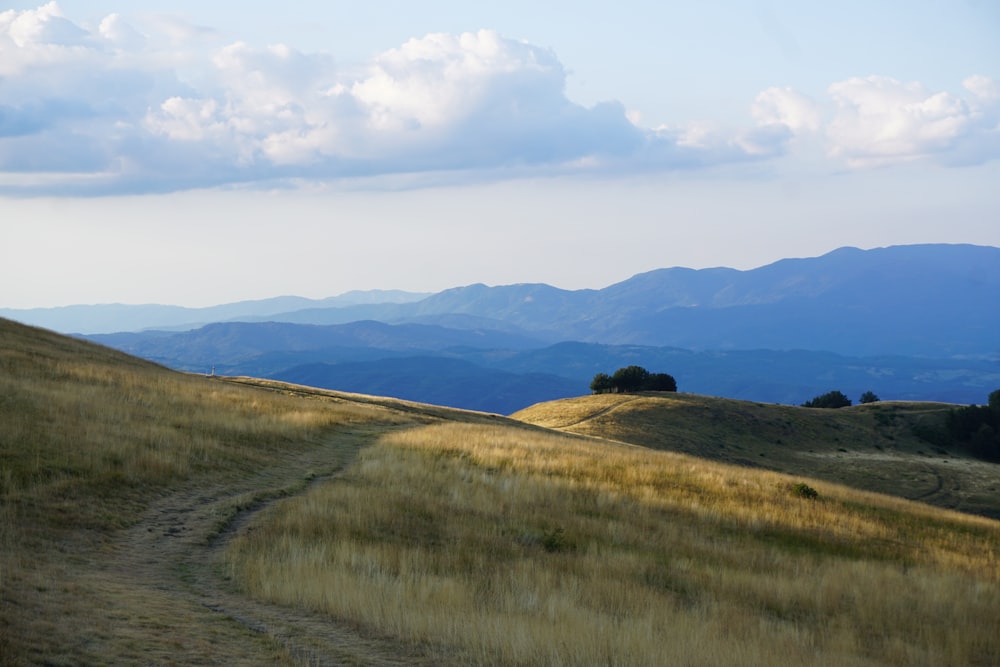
x,y
977,428
868,397
632,378
803,490
832,399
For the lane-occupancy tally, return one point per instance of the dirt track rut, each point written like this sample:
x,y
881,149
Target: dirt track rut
x,y
169,602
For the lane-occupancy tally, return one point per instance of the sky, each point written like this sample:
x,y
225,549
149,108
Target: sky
x,y
197,153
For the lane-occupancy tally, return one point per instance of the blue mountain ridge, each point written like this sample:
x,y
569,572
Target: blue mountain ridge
x,y
915,322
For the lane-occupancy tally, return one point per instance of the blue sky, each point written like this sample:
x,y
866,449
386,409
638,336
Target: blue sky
x,y
196,153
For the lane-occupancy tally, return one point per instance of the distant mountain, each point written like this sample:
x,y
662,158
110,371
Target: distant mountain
x,y
500,372
769,376
436,380
907,322
232,346
109,318
920,300
930,300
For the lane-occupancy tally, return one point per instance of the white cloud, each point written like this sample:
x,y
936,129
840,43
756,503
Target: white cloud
x,y
120,33
442,102
784,106
168,107
880,120
440,79
982,87
45,25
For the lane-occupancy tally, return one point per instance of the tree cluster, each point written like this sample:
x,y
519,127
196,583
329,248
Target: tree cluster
x,y
632,378
977,427
837,399
831,399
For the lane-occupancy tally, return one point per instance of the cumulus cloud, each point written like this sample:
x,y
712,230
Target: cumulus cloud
x,y
45,25
880,120
166,106
785,106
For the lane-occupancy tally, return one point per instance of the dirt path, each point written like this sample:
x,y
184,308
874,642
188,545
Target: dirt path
x,y
595,415
161,596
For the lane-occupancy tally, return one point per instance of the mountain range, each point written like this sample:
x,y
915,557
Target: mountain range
x,y
917,322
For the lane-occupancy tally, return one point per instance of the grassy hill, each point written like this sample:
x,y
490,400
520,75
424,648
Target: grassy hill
x,y
878,446
152,517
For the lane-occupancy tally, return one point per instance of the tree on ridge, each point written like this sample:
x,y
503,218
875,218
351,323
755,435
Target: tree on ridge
x,y
632,378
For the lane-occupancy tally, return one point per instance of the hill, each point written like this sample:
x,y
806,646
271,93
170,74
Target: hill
x,y
153,517
879,446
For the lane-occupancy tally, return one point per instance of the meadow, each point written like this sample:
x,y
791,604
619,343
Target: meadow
x,y
153,517
890,447
90,441
506,546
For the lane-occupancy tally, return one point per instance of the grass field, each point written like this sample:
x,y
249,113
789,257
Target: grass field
x,y
151,517
520,548
876,447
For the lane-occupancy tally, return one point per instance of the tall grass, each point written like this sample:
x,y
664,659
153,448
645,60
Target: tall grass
x,y
509,546
96,423
88,437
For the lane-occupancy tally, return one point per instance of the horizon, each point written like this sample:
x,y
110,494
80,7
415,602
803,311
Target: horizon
x,y
425,294
189,154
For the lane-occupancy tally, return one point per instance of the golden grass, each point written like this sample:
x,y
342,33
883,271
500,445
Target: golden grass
x,y
515,547
88,437
484,541
92,421
875,447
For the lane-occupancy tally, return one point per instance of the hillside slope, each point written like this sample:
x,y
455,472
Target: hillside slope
x,y
118,480
876,447
153,517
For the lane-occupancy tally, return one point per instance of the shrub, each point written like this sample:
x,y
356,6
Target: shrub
x,y
832,399
632,378
868,397
803,490
601,384
977,427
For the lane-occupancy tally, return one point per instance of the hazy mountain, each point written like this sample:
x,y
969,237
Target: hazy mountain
x,y
436,380
925,300
499,372
934,300
108,318
770,376
909,322
231,345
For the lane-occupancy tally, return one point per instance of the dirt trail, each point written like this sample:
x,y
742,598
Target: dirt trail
x,y
162,597
595,415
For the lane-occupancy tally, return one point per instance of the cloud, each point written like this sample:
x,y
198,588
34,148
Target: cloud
x,y
167,106
45,25
784,106
880,120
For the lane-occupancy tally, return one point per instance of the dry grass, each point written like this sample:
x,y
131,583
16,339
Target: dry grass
x,y
874,447
88,437
484,541
514,547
